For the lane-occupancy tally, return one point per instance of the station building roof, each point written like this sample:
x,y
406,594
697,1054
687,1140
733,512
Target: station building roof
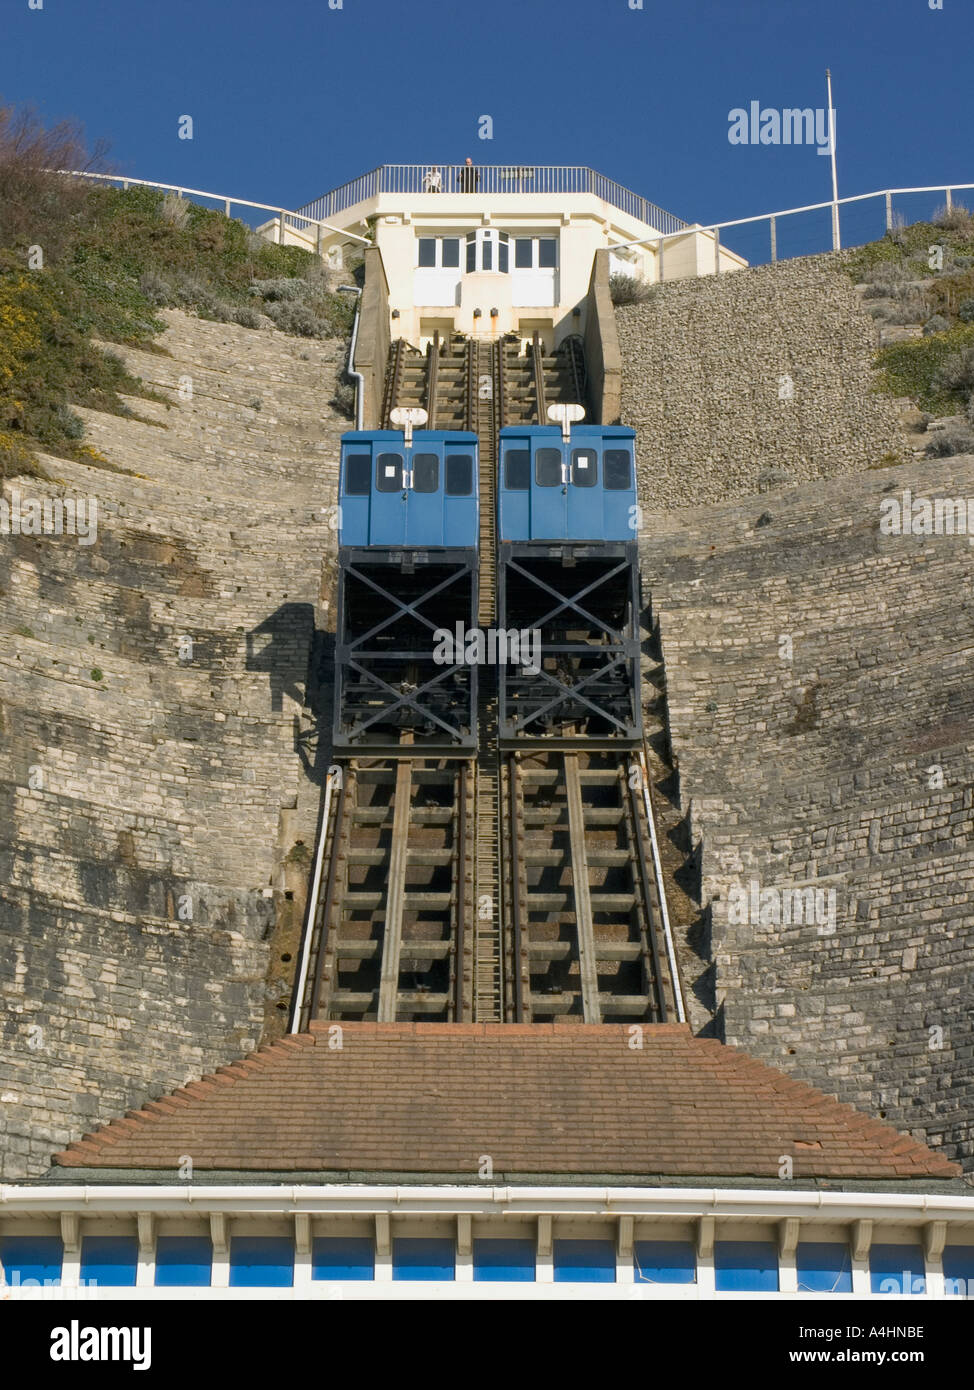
x,y
566,1101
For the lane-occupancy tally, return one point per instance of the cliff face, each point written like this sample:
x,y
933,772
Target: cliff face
x,y
756,378
157,804
820,693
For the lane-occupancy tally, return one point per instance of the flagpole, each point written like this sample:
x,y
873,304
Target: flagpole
x,y
836,240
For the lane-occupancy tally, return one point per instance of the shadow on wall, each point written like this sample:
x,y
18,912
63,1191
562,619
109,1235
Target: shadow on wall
x,y
299,661
281,647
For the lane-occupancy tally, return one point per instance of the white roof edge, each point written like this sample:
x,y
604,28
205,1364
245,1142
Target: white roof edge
x,y
523,1200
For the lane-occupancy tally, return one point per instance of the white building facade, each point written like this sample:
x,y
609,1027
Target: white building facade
x,y
486,250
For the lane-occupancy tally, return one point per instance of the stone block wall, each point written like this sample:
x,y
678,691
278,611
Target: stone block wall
x,y
820,692
150,793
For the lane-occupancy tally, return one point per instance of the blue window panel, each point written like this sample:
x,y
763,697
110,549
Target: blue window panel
x,y
508,1260
896,1269
584,1262
343,1257
959,1270
31,1257
664,1262
262,1262
423,1257
747,1265
109,1261
823,1267
184,1262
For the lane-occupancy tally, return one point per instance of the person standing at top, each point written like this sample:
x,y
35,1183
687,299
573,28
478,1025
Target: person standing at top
x,y
433,181
468,177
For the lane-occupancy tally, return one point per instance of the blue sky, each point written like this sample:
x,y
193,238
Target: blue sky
x,y
291,97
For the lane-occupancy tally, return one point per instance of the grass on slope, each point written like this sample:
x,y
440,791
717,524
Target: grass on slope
x,y
910,281
79,262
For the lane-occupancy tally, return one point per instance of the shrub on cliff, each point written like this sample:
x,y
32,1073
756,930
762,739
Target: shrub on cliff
x,y
950,442
109,258
629,289
937,371
956,218
47,364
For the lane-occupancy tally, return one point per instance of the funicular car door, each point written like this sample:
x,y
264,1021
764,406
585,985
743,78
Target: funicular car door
x,y
460,501
515,490
424,492
584,495
390,497
549,490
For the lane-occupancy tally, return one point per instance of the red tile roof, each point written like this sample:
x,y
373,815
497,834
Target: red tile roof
x,y
552,1099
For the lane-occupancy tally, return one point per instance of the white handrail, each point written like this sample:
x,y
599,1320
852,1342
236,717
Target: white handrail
x,y
661,890
227,201
945,188
302,980
523,178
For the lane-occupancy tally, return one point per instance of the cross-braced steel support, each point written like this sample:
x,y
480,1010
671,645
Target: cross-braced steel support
x,y
393,671
579,605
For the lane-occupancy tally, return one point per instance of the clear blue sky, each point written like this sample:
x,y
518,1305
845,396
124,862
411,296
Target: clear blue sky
x,y
290,98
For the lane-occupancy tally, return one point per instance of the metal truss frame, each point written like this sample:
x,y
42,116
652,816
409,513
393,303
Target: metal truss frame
x,y
586,689
390,695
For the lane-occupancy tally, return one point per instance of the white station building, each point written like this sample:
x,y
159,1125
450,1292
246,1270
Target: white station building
x,y
487,250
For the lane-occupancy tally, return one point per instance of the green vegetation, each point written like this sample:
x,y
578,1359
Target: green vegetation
x,y
80,262
47,361
924,274
936,371
911,245
920,274
97,673
629,289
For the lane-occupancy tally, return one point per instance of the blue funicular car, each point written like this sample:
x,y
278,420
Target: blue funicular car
x,y
568,569
408,567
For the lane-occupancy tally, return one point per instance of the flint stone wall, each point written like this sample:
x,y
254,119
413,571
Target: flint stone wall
x,y
707,369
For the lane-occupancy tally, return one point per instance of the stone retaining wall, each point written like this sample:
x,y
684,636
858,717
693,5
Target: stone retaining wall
x,y
820,689
750,379
146,816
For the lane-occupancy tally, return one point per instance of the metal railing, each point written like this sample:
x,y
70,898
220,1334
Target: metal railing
x,y
828,231
865,223
489,179
302,221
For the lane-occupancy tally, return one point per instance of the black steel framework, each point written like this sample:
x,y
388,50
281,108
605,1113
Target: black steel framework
x,y
583,601
391,693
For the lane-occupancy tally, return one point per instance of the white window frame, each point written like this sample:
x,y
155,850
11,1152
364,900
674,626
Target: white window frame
x,y
535,265
438,262
496,238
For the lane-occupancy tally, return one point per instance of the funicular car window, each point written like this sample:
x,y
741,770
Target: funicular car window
x,y
388,473
426,472
617,470
358,475
547,467
459,475
517,470
585,467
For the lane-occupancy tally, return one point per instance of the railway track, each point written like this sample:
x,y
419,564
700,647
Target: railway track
x,y
391,936
485,415
583,907
514,887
